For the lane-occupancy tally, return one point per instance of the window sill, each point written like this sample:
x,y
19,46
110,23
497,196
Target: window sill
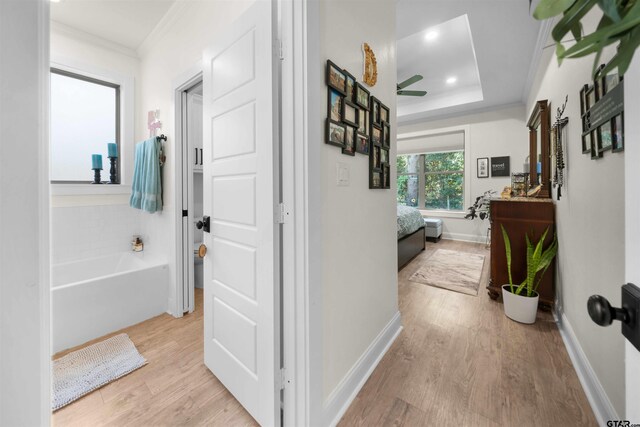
x,y
89,189
442,214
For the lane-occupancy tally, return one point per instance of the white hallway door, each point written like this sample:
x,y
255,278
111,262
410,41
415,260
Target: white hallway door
x,y
240,174
632,225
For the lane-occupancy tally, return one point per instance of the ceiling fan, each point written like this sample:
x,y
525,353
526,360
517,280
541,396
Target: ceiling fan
x,y
409,82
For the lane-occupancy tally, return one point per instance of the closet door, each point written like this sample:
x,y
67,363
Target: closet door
x,y
240,196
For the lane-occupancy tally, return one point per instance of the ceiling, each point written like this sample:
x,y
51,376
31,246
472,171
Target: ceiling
x,y
491,58
125,22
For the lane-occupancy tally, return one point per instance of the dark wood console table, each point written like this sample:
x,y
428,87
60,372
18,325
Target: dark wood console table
x,y
520,216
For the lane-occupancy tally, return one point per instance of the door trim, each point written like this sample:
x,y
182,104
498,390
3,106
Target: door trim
x,y
181,84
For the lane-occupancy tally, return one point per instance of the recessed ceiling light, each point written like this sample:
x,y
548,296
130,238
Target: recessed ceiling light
x,y
452,80
55,1
431,35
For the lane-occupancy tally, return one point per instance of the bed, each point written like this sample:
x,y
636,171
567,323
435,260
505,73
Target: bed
x,y
411,234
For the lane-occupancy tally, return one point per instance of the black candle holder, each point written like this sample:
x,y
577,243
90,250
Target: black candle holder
x,y
96,176
113,173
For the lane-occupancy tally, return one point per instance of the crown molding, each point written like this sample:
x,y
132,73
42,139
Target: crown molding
x,y
175,12
68,31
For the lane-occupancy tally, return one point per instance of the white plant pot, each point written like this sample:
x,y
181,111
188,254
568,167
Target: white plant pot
x,y
520,308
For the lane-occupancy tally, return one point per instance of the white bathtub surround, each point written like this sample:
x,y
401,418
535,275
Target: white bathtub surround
x,y
81,232
83,371
96,296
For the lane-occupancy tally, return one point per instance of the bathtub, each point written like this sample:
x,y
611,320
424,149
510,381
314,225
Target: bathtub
x,y
94,297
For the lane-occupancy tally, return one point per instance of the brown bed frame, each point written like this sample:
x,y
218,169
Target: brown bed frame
x,y
410,246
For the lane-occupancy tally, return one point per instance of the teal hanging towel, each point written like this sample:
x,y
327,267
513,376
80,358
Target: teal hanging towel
x,y
146,189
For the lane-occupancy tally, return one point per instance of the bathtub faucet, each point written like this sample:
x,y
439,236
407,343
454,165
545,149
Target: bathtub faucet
x,y
136,244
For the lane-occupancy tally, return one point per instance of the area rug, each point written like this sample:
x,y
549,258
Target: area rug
x,y
83,371
452,270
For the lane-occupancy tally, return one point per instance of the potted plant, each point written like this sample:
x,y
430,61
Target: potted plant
x,y
481,207
521,301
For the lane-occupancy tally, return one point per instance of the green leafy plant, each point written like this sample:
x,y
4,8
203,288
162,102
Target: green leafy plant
x,y
620,24
538,261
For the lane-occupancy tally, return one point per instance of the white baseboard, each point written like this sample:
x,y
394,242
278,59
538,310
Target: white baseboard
x,y
346,391
598,399
474,238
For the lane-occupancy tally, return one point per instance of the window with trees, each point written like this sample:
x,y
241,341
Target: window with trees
x,y
432,181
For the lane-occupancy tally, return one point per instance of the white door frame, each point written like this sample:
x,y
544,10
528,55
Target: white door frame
x,y
181,84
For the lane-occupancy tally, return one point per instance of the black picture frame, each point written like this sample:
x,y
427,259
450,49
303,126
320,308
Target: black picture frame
x,y
384,156
335,77
600,85
375,111
596,153
482,172
386,176
330,137
386,135
351,110
586,143
375,179
349,147
617,130
374,157
500,166
384,113
334,97
376,135
605,137
363,121
583,100
362,143
590,97
362,97
350,86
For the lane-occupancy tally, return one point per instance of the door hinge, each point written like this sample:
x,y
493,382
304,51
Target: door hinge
x,y
281,50
281,214
185,213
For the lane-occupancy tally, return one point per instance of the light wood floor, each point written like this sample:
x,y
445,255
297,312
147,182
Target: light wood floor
x,y
460,362
174,388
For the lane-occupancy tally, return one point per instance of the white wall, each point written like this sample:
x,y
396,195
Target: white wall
x,y
24,216
354,228
174,51
89,220
500,132
590,225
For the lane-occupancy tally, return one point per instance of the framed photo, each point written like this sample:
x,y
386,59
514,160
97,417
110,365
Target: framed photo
x,y
600,85
605,138
590,97
334,110
384,156
351,86
350,113
349,141
386,134
336,78
611,80
483,167
596,153
375,157
617,130
376,135
500,166
375,110
335,133
583,100
362,144
362,97
375,180
384,113
386,178
586,143
362,121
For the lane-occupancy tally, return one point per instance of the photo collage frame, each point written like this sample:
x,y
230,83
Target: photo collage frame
x,y
358,123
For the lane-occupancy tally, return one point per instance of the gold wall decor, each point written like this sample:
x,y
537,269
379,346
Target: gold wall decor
x,y
370,76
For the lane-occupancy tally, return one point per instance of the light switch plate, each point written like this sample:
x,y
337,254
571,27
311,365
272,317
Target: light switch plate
x,y
342,174
631,303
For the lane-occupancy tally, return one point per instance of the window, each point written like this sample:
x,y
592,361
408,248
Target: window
x,y
85,117
433,181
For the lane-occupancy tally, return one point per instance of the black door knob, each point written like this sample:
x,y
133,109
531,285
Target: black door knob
x,y
602,313
199,225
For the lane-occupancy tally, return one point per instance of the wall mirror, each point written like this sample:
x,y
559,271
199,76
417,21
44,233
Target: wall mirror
x,y
539,148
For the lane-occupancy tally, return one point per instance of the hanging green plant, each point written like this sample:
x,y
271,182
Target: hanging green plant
x,y
620,24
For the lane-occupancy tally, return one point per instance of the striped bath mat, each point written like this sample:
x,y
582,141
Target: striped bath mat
x,y
83,371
